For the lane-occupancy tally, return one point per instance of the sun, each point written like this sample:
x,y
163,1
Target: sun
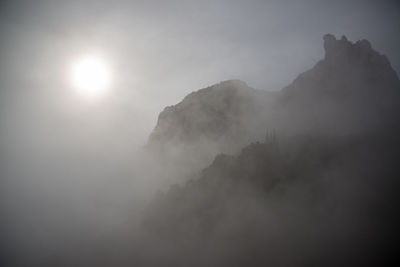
x,y
90,76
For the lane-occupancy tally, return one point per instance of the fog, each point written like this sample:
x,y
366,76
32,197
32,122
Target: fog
x,y
77,176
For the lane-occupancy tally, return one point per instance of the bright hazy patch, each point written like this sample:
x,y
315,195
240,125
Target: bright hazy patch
x,y
90,76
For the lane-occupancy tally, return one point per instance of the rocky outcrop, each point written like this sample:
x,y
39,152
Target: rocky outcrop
x,y
223,114
323,196
353,90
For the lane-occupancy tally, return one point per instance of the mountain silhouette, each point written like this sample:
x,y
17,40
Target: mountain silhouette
x,y
303,201
352,90
319,188
220,113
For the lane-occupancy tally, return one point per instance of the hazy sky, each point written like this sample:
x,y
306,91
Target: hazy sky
x,y
159,51
65,161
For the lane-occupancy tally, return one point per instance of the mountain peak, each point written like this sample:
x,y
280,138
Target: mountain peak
x,y
231,86
342,52
352,89
233,82
210,112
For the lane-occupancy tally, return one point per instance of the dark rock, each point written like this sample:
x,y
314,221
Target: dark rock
x,y
352,90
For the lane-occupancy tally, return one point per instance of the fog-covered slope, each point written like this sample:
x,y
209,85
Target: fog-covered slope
x,y
318,190
304,201
223,114
221,118
352,90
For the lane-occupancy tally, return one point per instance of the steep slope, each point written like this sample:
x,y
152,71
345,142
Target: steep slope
x,y
353,89
221,118
321,191
305,201
223,113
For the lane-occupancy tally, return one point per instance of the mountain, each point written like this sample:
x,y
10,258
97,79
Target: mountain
x,y
221,118
223,113
299,201
352,90
319,189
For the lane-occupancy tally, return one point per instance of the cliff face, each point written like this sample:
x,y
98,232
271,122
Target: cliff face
x,y
348,68
352,90
219,112
221,118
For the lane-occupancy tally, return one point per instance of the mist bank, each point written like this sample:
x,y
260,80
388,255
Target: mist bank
x,y
317,188
299,201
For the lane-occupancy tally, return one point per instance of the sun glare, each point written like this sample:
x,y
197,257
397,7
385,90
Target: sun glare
x,y
90,76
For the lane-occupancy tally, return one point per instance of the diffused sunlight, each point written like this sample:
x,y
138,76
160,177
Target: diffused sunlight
x,y
90,76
